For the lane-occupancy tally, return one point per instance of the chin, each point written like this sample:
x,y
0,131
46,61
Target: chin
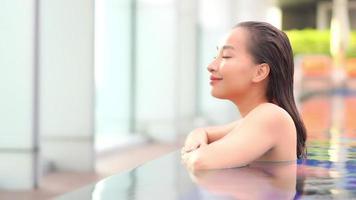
x,y
218,95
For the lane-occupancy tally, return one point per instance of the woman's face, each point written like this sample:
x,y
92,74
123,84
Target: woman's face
x,y
233,68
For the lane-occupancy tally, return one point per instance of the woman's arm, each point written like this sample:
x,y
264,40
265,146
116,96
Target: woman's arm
x,y
204,136
257,134
217,132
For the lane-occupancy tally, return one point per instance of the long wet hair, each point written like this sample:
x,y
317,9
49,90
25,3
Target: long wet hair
x,y
271,46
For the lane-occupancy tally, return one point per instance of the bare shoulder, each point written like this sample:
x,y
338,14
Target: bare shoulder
x,y
271,116
271,110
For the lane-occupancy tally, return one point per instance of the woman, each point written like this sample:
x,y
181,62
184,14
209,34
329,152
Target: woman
x,y
254,70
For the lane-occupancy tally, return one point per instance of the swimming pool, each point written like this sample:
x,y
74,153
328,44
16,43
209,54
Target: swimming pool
x,y
328,173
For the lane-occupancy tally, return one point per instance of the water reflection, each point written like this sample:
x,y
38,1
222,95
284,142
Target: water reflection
x,y
330,170
257,181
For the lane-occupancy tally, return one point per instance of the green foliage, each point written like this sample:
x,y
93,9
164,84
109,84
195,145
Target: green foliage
x,y
351,52
311,41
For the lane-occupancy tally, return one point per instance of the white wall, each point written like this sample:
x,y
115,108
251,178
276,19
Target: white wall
x,y
17,139
256,10
67,83
155,51
186,68
215,20
113,66
16,76
166,68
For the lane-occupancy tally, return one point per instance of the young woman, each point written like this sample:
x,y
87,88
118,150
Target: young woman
x,y
253,69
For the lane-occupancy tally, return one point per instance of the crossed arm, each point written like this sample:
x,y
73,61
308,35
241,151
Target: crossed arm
x,y
215,133
242,145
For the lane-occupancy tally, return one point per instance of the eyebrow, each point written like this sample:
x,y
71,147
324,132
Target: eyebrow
x,y
226,47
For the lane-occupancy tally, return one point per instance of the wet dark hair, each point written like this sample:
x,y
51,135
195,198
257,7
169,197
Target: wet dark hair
x,y
269,45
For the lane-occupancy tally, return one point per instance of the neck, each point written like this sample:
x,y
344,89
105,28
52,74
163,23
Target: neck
x,y
250,101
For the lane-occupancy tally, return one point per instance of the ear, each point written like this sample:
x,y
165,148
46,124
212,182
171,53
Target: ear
x,y
261,72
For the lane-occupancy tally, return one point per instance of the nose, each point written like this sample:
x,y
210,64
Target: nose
x,y
212,67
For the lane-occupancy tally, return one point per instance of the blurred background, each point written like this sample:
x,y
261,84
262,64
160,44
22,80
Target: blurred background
x,y
91,88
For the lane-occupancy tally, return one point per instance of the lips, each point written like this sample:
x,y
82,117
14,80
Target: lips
x,y
214,79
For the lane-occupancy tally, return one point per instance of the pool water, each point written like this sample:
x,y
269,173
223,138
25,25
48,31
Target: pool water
x,y
330,169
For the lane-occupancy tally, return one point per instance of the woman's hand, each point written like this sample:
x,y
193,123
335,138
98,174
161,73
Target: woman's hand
x,y
189,159
195,139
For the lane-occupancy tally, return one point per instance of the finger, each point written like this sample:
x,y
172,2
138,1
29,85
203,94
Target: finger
x,y
194,146
186,149
203,144
183,152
